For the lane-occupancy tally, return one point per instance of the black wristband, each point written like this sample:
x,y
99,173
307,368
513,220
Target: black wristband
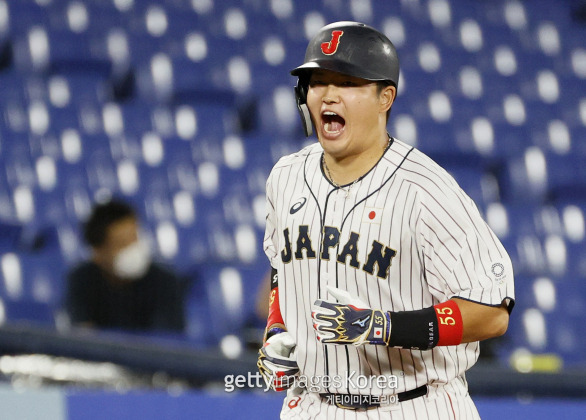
x,y
416,330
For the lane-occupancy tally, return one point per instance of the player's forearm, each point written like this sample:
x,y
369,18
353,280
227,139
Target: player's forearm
x,y
424,329
450,323
482,322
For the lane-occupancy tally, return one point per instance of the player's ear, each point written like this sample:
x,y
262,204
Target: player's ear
x,y
387,97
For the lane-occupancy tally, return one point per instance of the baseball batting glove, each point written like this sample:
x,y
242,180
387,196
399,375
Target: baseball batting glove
x,y
276,361
350,321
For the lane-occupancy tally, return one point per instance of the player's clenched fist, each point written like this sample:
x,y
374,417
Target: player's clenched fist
x,y
349,321
276,361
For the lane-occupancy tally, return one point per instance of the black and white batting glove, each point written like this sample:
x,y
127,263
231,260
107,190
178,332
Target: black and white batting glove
x,y
277,363
350,321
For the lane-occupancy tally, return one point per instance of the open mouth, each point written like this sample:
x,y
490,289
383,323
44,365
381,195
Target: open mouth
x,y
332,122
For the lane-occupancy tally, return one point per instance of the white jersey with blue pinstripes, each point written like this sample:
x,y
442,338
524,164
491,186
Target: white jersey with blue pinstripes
x,y
403,237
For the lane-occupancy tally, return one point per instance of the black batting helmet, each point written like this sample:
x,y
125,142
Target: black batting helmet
x,y
350,48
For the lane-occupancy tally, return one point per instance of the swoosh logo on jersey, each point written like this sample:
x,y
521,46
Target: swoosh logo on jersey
x,y
297,206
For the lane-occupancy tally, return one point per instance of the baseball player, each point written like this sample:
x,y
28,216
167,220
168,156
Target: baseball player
x,y
385,276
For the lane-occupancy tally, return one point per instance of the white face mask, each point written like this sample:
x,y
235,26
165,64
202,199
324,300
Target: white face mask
x,y
132,262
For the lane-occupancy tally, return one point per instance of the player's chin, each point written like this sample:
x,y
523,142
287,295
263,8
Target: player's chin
x,y
334,148
333,143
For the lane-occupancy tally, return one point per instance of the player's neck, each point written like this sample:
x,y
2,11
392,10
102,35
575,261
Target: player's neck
x,y
347,169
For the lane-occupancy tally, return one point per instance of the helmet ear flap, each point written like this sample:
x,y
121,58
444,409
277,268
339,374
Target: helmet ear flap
x,y
301,98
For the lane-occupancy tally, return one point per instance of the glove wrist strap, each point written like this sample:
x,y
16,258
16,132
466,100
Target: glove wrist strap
x,y
381,328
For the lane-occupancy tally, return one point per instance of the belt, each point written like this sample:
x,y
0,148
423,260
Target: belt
x,y
368,402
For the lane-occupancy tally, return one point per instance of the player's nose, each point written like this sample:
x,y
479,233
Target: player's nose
x,y
330,94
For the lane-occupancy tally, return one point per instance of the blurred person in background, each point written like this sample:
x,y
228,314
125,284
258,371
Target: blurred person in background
x,y
119,286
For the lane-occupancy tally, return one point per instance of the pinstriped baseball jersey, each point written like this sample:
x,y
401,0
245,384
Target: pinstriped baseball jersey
x,y
403,237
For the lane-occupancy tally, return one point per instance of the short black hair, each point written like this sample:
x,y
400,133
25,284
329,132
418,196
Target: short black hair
x,y
103,215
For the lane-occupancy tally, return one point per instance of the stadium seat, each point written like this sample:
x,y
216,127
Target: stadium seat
x,y
525,178
4,33
18,164
278,113
474,181
566,176
58,50
576,257
32,286
27,312
182,171
25,14
258,149
225,291
230,290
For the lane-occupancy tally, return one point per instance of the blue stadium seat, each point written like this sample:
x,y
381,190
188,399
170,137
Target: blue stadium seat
x,y
180,80
472,180
11,235
49,209
230,290
65,51
197,314
438,140
27,312
80,87
101,172
142,47
278,113
182,170
259,151
18,164
14,86
25,14
88,16
225,291
566,176
548,12
510,140
77,200
525,178
564,334
4,31
194,248
526,253
528,219
32,287
265,76
207,148
576,257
